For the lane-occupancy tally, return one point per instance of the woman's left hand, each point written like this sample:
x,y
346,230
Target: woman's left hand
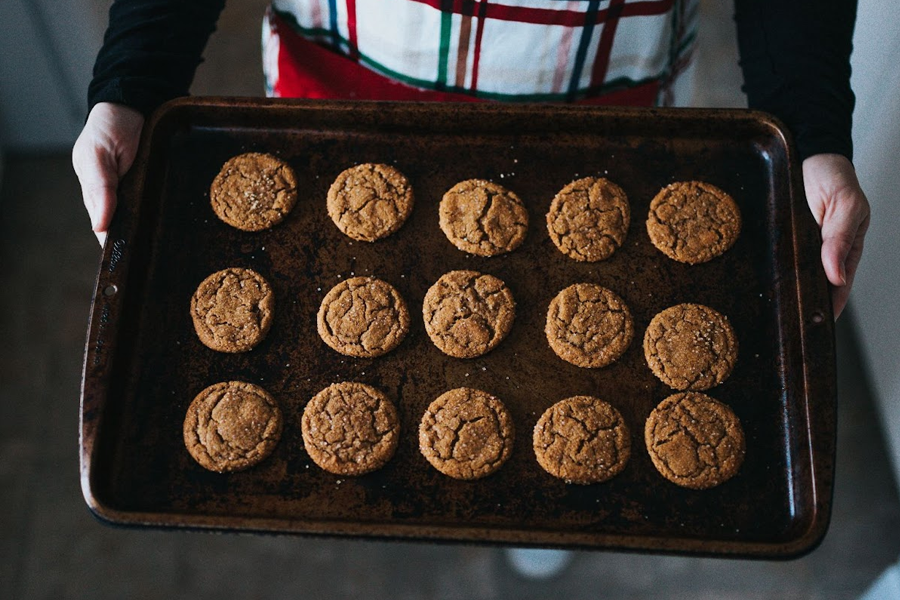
x,y
840,208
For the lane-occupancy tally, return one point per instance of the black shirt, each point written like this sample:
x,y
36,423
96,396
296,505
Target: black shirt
x,y
795,56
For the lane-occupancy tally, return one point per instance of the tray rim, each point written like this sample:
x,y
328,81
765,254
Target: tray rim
x,y
816,343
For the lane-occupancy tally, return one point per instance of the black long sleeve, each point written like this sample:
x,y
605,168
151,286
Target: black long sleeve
x,y
151,50
795,55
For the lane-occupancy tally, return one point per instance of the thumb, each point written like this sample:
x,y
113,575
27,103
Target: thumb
x,y
840,231
98,173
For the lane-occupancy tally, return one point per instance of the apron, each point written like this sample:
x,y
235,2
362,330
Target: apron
x,y
620,52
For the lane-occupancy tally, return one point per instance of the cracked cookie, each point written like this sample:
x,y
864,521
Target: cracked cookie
x,y
253,191
582,440
588,325
466,434
232,310
690,347
483,218
363,317
694,441
468,313
350,428
370,201
588,219
232,426
693,222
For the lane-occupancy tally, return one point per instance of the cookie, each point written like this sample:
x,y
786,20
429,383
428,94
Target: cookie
x,y
690,347
350,429
253,191
370,201
582,440
588,325
232,310
483,218
694,441
468,313
693,222
588,219
466,434
232,426
363,317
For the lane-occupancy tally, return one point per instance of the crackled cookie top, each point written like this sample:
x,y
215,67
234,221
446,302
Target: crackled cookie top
x,y
588,219
232,310
694,441
483,218
363,317
370,201
588,325
350,429
253,191
468,313
232,426
466,434
693,222
582,440
690,347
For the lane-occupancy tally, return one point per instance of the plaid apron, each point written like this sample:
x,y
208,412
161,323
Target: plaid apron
x,y
625,52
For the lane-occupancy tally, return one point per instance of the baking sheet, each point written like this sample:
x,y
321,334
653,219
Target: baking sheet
x,y
144,363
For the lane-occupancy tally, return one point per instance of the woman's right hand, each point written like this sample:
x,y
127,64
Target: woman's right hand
x,y
103,153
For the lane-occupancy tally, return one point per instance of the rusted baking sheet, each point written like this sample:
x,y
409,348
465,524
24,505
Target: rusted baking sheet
x,y
144,363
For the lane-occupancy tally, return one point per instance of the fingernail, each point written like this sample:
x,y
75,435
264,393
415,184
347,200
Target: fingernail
x,y
842,273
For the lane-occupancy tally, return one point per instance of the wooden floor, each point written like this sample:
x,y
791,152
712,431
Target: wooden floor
x,y
51,547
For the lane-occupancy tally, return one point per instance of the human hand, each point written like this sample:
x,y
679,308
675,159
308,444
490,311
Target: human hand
x,y
103,153
842,212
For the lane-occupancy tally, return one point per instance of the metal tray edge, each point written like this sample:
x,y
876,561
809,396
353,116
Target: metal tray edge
x,y
115,263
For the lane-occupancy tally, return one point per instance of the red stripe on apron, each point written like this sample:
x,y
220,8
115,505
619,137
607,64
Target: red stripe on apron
x,y
309,70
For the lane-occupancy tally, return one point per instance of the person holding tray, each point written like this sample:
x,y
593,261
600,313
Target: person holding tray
x,y
794,56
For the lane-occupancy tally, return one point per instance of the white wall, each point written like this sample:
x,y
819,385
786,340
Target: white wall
x,y
875,301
